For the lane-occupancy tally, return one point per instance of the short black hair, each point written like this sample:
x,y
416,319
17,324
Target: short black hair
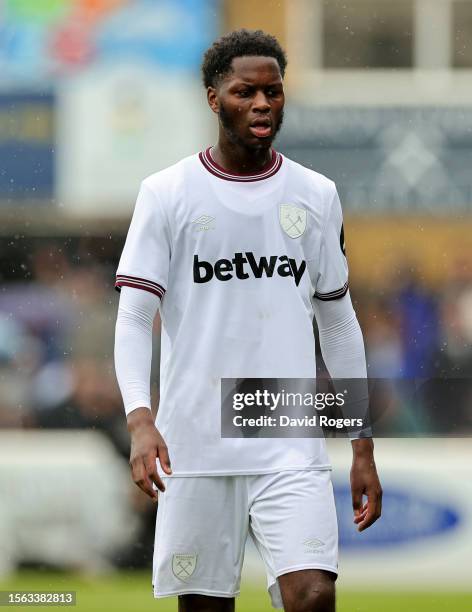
x,y
217,59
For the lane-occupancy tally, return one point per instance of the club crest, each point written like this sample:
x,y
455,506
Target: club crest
x,y
183,566
293,220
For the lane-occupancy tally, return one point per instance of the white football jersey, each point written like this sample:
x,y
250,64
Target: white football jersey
x,y
237,262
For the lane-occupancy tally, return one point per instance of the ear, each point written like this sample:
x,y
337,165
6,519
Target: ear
x,y
212,99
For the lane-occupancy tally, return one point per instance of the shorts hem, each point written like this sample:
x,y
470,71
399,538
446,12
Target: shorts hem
x,y
296,568
275,470
159,594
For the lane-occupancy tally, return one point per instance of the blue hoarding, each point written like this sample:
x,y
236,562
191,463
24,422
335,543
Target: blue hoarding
x,y
26,147
407,517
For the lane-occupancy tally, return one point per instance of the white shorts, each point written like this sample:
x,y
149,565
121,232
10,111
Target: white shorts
x,y
203,522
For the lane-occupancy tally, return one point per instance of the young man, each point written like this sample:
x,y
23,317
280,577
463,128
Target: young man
x,y
201,248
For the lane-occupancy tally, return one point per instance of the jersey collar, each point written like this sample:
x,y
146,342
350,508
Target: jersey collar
x,y
269,169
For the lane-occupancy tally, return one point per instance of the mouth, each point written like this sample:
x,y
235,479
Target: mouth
x,y
261,128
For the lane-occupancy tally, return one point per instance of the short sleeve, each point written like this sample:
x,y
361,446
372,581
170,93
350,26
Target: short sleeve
x,y
332,282
144,261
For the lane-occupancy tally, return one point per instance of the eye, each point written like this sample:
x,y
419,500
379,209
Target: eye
x,y
243,93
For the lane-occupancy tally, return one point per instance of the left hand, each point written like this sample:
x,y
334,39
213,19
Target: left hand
x,y
365,481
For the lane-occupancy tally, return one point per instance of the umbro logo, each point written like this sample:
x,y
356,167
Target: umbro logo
x,y
314,545
203,223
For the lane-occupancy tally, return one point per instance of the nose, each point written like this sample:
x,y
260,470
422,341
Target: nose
x,y
261,103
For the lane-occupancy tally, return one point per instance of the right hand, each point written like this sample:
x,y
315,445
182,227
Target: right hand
x,y
147,445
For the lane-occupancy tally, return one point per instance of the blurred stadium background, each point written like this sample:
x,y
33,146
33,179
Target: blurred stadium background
x,y
97,94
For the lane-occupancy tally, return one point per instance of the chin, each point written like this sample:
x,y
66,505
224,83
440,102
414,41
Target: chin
x,y
260,144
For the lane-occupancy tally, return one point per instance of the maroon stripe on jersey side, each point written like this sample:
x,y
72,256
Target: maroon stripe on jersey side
x,y
269,170
333,295
139,283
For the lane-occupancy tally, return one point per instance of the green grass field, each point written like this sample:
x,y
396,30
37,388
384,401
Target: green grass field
x,y
131,592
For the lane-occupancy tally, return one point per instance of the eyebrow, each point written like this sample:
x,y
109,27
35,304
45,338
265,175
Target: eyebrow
x,y
242,82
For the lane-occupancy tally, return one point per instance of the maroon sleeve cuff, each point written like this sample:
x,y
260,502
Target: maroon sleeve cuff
x,y
123,280
333,295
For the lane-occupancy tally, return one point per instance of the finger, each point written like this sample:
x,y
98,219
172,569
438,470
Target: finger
x,y
357,501
367,521
141,479
164,458
362,513
374,510
152,474
360,517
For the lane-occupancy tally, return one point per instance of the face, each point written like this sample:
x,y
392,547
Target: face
x,y
250,101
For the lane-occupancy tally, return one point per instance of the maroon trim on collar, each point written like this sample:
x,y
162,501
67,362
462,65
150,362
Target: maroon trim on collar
x,y
269,169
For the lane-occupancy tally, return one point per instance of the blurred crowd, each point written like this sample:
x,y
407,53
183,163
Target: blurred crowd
x,y
422,338
57,321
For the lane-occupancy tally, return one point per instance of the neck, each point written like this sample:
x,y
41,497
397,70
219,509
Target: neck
x,y
238,159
